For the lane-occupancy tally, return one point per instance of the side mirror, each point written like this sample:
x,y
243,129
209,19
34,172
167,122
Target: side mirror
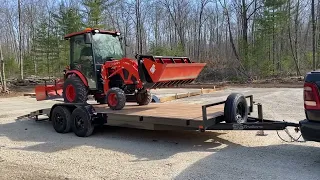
x,y
88,38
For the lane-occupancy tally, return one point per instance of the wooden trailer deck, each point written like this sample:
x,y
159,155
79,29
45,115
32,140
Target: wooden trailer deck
x,y
165,110
160,115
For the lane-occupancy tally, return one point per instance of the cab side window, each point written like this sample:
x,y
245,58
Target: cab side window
x,y
80,49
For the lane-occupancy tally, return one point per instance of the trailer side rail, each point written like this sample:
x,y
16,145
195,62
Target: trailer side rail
x,y
209,122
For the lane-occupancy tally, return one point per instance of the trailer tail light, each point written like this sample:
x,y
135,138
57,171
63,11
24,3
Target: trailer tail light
x,y
311,96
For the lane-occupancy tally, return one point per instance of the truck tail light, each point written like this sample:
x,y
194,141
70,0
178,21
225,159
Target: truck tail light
x,y
311,96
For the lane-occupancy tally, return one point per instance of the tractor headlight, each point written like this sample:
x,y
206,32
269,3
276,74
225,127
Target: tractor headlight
x,y
96,31
118,34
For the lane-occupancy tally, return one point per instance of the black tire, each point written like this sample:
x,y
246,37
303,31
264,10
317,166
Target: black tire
x,y
81,122
81,91
236,109
144,98
61,119
116,98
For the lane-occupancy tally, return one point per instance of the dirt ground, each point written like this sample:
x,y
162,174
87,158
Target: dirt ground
x,y
33,150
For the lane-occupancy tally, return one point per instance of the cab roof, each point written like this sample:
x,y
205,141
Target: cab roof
x,y
91,30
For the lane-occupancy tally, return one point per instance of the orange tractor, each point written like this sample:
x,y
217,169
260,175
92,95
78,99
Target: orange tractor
x,y
97,67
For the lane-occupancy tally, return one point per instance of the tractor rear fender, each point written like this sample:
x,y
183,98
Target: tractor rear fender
x,y
79,74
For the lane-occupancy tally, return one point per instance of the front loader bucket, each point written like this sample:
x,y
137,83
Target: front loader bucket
x,y
45,92
170,71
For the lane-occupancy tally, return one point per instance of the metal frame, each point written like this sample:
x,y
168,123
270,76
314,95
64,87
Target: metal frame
x,y
165,123
207,123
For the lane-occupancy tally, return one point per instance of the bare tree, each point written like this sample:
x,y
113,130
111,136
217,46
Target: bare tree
x,y
202,6
178,11
2,75
20,41
313,35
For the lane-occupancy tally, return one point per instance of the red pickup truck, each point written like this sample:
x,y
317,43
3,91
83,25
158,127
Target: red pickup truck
x,y
310,127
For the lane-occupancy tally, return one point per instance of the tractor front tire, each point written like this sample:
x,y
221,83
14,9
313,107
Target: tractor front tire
x,y
116,98
74,90
143,98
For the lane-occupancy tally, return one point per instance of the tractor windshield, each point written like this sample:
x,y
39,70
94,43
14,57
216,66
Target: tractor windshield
x,y
106,46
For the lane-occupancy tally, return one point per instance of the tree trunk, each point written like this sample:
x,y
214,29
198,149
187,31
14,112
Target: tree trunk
x,y
20,43
2,75
313,36
245,34
294,55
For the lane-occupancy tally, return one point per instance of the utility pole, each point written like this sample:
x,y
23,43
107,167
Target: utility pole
x,y
313,36
20,43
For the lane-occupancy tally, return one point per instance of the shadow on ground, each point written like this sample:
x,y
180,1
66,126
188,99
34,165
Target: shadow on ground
x,y
143,144
285,161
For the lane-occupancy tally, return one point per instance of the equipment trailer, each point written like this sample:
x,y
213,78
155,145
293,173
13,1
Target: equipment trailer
x,y
231,114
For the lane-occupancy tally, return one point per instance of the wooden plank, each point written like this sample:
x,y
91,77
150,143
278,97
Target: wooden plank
x,y
185,95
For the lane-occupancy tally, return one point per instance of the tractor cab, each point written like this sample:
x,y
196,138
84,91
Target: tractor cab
x,y
91,48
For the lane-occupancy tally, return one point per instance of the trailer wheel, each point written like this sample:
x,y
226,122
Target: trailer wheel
x,y
144,98
61,119
236,109
81,122
116,98
74,90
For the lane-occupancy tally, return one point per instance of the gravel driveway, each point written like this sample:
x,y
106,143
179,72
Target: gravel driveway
x,y
33,150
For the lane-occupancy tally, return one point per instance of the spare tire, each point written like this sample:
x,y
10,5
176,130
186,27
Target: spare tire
x,y
236,109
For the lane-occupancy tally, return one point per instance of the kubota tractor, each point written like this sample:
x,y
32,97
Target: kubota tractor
x,y
97,67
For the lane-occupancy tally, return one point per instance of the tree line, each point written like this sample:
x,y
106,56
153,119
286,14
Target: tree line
x,y
240,39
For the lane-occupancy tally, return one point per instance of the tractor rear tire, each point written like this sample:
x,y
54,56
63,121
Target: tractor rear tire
x,y
81,122
236,109
116,98
143,98
74,90
61,119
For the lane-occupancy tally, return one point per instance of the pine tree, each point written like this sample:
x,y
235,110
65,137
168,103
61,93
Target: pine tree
x,y
94,11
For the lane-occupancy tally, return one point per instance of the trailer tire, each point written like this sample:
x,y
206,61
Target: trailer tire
x,y
74,90
143,98
236,109
61,119
81,122
116,98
